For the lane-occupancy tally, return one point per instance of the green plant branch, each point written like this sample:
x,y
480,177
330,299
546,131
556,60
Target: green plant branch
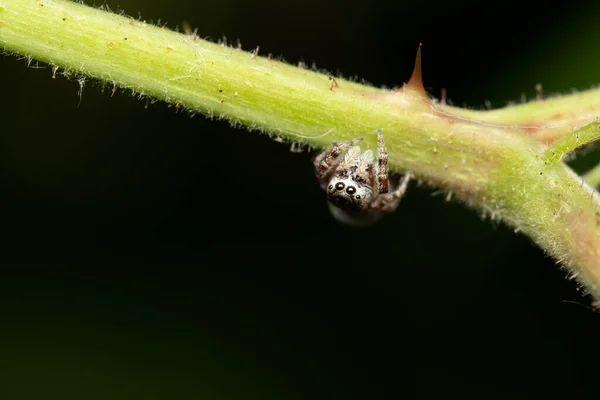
x,y
545,120
496,161
568,143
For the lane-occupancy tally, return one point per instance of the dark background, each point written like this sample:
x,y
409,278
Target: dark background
x,y
149,255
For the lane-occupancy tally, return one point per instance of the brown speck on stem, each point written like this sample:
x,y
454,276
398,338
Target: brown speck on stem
x,y
177,106
333,83
114,90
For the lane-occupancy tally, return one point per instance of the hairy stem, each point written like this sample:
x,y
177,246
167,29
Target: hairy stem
x,y
568,143
497,161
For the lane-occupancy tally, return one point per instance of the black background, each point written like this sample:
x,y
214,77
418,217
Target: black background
x,y
150,255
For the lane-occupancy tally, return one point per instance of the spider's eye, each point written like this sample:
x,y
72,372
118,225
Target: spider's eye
x,y
330,187
350,190
339,186
358,197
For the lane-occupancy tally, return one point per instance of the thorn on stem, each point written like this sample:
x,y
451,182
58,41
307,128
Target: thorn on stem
x,y
333,83
540,92
573,276
416,79
187,28
449,197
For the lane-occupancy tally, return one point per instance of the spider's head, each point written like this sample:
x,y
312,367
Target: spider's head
x,y
348,194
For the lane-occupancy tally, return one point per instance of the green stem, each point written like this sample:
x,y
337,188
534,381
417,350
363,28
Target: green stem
x,y
496,161
568,143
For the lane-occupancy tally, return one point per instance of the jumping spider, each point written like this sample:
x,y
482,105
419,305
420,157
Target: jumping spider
x,y
357,188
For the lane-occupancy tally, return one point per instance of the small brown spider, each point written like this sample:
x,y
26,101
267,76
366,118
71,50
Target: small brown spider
x,y
357,189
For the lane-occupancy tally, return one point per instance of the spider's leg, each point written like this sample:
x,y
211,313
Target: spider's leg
x,y
383,183
389,201
328,160
372,176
